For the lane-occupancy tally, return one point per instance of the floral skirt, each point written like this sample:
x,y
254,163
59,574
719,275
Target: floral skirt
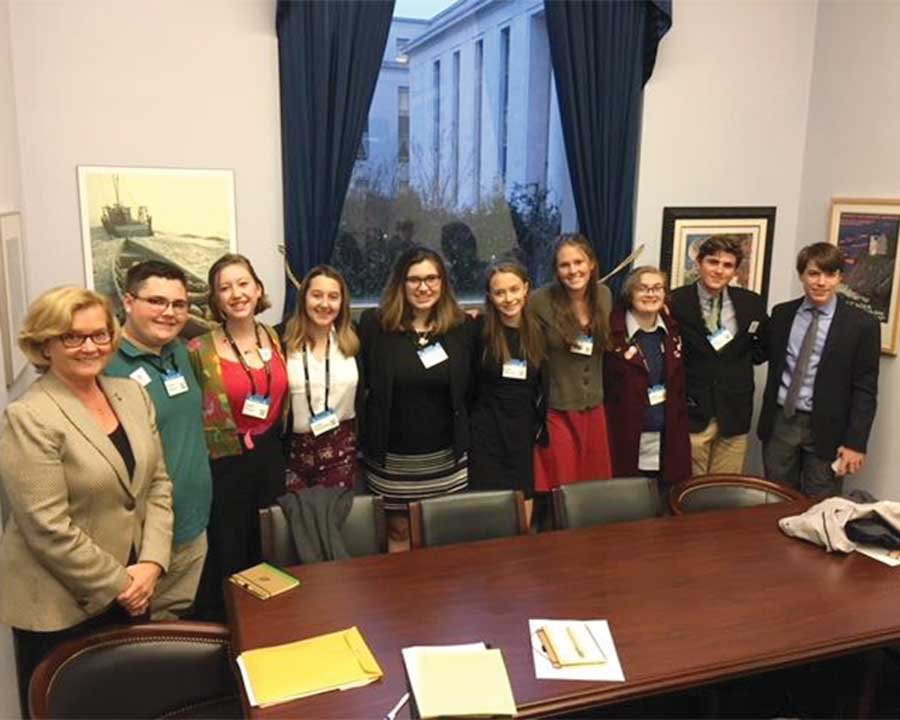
x,y
329,459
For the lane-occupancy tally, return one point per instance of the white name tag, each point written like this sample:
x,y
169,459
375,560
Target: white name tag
x,y
656,394
175,384
141,376
753,327
584,345
322,422
515,369
433,355
265,354
256,406
720,338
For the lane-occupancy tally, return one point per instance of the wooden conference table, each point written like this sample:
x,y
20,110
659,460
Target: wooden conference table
x,y
689,600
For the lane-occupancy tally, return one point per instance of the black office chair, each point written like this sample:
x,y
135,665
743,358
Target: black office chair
x,y
722,492
158,670
466,517
600,502
364,531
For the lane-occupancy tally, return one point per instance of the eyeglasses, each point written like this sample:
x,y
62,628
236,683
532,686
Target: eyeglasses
x,y
432,281
650,289
74,340
161,304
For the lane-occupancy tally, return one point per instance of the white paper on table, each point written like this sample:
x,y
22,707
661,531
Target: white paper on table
x,y
610,671
883,555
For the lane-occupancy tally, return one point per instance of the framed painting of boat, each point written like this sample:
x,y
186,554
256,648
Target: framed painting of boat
x,y
13,295
868,231
184,217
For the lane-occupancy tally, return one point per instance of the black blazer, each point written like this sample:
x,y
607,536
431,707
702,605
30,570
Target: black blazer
x,y
846,385
378,372
720,384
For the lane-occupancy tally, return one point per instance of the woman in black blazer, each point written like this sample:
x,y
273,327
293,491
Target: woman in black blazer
x,y
416,350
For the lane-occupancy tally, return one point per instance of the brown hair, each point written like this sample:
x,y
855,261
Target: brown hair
x,y
212,298
50,316
297,331
634,278
566,322
394,312
730,244
827,257
530,336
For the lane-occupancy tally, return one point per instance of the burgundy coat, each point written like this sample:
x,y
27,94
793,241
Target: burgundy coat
x,y
625,399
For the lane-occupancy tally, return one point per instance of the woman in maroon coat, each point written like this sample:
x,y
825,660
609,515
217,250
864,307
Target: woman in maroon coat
x,y
644,384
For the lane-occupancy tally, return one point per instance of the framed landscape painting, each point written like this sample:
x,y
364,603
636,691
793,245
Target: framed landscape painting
x,y
867,233
130,214
685,228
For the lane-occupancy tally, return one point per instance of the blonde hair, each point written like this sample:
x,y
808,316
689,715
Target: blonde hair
x,y
633,280
50,316
212,296
566,322
297,330
395,314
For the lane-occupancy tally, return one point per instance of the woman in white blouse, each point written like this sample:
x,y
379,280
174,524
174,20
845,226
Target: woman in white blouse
x,y
321,345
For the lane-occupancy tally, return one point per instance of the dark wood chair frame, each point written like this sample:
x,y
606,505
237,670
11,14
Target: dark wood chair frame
x,y
680,490
416,531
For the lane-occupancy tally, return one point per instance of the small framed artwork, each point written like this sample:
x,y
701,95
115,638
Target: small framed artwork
x,y
13,296
685,228
185,217
867,233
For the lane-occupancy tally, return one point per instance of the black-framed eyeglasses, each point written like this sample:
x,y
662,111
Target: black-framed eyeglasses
x,y
74,340
432,281
161,304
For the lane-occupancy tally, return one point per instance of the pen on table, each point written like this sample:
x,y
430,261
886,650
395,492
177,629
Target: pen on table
x,y
392,713
574,641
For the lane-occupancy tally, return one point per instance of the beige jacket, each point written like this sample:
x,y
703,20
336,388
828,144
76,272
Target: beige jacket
x,y
74,513
823,524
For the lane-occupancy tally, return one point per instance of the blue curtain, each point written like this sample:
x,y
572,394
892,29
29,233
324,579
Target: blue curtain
x,y
603,53
329,56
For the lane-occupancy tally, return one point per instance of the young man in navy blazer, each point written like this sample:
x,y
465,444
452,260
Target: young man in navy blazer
x,y
821,390
724,330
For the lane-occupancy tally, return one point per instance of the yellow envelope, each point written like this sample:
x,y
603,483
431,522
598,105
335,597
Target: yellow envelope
x,y
336,661
463,684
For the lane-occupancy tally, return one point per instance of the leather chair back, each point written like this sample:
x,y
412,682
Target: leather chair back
x,y
364,531
466,517
171,670
722,492
600,502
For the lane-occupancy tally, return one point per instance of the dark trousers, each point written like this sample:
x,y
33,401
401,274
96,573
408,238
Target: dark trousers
x,y
32,646
789,456
242,484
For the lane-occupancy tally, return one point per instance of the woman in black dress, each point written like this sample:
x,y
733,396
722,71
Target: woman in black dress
x,y
510,390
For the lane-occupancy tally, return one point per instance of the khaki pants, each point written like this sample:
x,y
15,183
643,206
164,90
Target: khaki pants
x,y
175,591
712,454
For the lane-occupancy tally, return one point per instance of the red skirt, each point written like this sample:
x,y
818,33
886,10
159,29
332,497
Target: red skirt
x,y
578,449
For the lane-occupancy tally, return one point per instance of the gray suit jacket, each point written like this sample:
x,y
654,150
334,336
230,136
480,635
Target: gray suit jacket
x,y
74,512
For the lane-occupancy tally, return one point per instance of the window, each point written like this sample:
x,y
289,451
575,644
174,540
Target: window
x,y
463,151
363,152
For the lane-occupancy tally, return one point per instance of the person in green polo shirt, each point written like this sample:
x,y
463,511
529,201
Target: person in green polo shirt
x,y
156,307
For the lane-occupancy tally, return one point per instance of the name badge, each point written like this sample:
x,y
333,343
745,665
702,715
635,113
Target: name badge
x,y
141,376
323,422
265,354
175,384
515,369
753,327
256,406
720,338
584,345
656,394
433,355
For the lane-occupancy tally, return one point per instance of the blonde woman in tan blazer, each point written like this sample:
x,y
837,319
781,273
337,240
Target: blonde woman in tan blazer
x,y
81,464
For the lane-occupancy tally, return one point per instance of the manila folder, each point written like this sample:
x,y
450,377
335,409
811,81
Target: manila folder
x,y
464,684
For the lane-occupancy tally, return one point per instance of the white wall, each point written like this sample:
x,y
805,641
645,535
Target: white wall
x,y
154,82
852,151
725,117
10,194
